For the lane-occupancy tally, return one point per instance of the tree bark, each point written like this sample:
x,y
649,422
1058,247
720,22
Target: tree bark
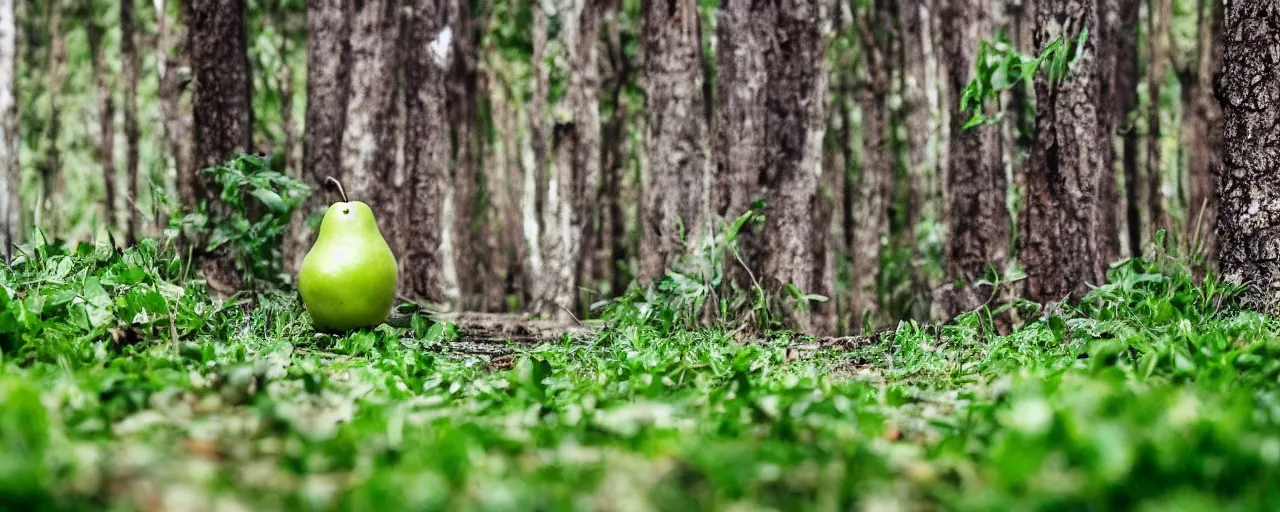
x,y
223,111
919,102
106,118
1249,184
470,257
979,220
1158,12
534,155
743,32
1109,205
131,65
794,104
1059,238
420,206
50,165
1126,104
328,81
9,139
368,154
874,182
223,99
1204,129
576,169
175,127
673,210
612,232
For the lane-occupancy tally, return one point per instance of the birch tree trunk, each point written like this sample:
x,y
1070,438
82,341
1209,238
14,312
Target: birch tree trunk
x,y
1249,184
1059,238
9,139
673,209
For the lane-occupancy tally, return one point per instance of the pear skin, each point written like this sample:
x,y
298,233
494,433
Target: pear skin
x,y
348,278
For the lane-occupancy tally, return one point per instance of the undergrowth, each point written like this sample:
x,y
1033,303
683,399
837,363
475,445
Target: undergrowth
x,y
124,386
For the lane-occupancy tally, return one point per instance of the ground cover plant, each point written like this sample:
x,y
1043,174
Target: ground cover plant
x,y
125,385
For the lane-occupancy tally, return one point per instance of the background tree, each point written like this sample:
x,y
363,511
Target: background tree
x,y
1249,184
674,205
419,214
222,109
1058,232
131,67
871,193
1203,123
106,112
328,68
978,218
795,124
9,138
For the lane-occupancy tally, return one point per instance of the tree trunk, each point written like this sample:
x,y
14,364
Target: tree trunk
x,y
1126,90
9,139
1059,247
106,119
131,63
673,207
368,154
874,181
175,127
743,32
503,177
794,104
1204,130
1249,183
1109,205
534,155
469,255
576,169
979,220
612,238
420,218
328,79
50,166
919,102
1158,12
223,111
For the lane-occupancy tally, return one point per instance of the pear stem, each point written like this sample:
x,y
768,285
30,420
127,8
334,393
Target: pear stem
x,y
334,181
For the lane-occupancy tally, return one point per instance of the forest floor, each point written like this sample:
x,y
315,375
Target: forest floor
x,y
124,387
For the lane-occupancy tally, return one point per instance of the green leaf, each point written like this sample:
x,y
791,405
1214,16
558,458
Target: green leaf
x,y
269,198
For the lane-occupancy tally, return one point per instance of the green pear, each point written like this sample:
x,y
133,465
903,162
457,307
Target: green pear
x,y
348,279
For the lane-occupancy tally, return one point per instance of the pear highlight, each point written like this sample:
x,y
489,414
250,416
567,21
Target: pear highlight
x,y
348,278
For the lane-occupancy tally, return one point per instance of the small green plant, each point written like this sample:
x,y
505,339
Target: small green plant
x,y
250,218
1000,67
